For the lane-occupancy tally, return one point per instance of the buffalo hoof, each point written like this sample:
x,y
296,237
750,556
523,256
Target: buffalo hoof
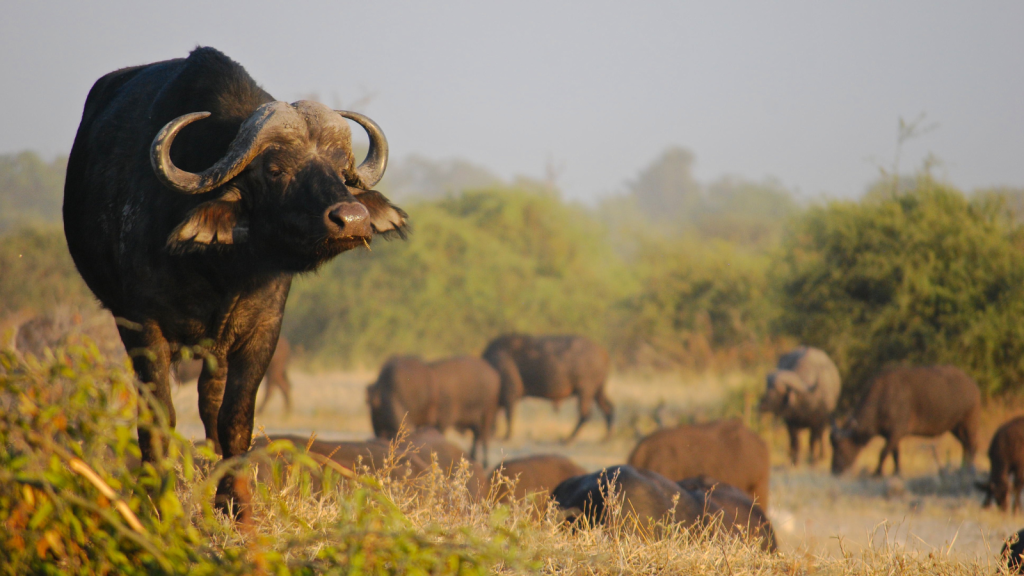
x,y
234,499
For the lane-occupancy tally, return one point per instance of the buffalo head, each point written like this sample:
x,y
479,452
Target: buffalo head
x,y
288,186
847,442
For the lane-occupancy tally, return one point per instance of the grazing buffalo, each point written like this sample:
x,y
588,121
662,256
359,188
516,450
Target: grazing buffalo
x,y
552,367
192,197
535,477
1013,552
922,401
803,390
739,513
373,454
1006,453
275,379
646,497
460,392
725,450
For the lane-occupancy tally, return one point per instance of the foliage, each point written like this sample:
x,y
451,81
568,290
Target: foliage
x,y
72,502
698,300
37,272
920,277
31,189
476,265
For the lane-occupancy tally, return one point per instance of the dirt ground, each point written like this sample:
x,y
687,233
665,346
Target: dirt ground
x,y
932,508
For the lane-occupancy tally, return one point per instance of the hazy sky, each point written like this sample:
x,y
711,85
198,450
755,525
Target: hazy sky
x,y
807,92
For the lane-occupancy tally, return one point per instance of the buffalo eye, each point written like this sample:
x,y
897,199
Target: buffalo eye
x,y
275,171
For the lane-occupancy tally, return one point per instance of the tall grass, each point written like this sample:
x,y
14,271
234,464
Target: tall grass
x,y
75,500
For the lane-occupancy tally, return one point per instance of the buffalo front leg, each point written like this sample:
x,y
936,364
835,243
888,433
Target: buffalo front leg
x,y
816,447
151,358
235,419
794,442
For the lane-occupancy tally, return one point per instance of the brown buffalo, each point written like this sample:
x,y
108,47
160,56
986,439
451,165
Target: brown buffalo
x,y
373,454
460,392
646,498
535,477
921,401
1006,453
552,367
725,450
739,512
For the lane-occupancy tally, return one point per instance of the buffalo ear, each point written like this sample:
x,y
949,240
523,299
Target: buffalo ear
x,y
385,217
218,221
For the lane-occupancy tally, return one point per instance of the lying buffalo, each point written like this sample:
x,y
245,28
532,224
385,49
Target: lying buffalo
x,y
725,450
1006,453
1013,552
460,392
922,401
192,198
372,454
739,513
275,379
534,477
430,445
552,367
646,498
803,390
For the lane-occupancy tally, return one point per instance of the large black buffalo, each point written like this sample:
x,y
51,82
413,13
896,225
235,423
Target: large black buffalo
x,y
192,198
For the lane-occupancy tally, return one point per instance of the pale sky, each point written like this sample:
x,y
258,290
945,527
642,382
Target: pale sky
x,y
805,92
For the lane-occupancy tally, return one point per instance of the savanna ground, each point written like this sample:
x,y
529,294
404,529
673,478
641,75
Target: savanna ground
x,y
932,511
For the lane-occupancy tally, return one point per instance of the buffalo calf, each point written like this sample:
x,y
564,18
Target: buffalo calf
x,y
535,477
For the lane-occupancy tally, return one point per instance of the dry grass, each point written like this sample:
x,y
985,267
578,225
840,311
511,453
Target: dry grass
x,y
930,521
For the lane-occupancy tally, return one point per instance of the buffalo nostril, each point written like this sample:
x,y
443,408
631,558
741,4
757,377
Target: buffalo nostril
x,y
349,219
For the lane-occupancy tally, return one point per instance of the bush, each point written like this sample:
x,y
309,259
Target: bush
x,y
922,277
37,272
702,304
476,265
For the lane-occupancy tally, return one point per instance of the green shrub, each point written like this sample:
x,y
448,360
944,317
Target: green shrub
x,y
923,277
475,266
36,272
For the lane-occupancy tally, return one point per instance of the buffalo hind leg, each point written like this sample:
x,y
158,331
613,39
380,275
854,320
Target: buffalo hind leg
x,y
586,403
151,358
608,409
211,396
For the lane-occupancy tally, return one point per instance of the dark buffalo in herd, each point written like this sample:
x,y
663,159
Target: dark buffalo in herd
x,y
459,392
803,390
901,402
552,367
726,450
192,197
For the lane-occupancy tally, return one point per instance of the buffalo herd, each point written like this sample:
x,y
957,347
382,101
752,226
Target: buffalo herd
x,y
193,197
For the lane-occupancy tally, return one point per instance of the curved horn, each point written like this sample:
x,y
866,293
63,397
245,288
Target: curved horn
x,y
248,143
372,169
